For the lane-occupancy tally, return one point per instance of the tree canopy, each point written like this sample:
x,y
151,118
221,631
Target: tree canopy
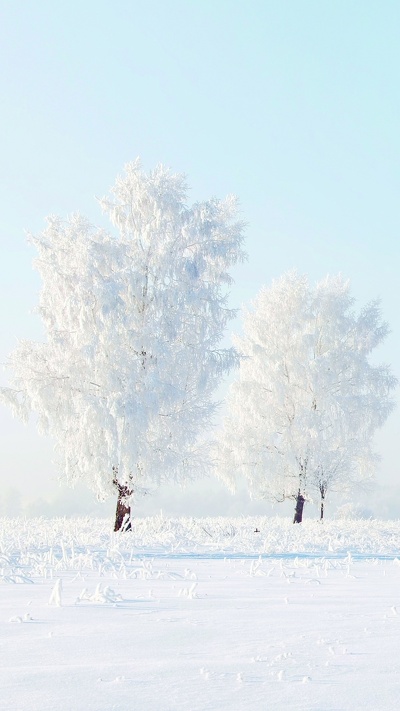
x,y
124,381
303,411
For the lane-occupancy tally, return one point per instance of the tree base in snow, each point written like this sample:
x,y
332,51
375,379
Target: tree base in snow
x,y
123,512
298,512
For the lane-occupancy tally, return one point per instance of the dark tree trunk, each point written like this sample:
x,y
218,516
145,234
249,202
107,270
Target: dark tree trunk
x,y
123,512
298,512
322,491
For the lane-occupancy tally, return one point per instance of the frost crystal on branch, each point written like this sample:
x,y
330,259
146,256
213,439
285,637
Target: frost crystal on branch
x,y
125,379
307,401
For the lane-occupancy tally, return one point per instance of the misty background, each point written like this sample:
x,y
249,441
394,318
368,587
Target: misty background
x,y
293,106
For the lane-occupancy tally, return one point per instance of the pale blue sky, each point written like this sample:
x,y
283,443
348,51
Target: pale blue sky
x,y
292,105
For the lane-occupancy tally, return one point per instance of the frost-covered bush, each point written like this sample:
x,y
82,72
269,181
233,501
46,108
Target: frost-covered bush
x,y
352,512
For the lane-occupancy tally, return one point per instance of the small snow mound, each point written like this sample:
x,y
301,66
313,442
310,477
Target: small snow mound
x,y
189,593
102,595
55,597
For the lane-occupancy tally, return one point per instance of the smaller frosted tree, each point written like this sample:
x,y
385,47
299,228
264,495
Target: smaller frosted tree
x,y
125,379
302,414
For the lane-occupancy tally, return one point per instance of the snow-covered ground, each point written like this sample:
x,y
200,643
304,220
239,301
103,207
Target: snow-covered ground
x,y
199,615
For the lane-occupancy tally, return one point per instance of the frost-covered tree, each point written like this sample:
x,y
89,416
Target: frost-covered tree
x,y
302,414
124,381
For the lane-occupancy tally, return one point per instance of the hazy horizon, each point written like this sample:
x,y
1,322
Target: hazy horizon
x,y
293,107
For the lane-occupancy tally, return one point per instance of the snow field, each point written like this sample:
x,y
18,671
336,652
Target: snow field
x,y
181,615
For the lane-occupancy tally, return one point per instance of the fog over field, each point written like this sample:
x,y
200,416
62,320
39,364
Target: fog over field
x,y
291,107
199,346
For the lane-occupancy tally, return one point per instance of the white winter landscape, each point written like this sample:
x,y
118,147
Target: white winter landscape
x,y
210,614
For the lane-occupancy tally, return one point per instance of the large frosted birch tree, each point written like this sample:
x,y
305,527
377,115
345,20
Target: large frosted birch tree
x,y
307,401
124,381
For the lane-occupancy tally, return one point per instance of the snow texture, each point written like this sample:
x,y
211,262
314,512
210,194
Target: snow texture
x,y
199,615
